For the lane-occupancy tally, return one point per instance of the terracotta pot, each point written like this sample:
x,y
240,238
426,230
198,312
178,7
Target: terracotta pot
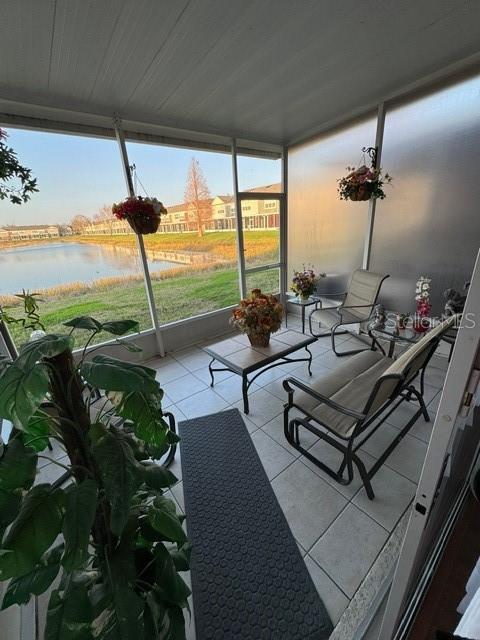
x,y
259,339
144,224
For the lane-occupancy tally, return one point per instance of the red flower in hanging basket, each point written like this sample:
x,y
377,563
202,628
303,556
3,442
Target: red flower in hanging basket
x,y
142,214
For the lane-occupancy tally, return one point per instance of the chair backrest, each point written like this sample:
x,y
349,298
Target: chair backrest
x,y
404,369
363,289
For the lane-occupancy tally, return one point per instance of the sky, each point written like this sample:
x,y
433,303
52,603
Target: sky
x,y
78,175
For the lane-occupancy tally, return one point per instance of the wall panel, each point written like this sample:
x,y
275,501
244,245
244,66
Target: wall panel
x,y
429,224
323,230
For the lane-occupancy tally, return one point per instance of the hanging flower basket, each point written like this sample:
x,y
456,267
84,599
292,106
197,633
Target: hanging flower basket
x,y
142,214
364,183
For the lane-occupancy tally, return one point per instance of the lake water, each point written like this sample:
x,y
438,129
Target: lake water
x,y
41,266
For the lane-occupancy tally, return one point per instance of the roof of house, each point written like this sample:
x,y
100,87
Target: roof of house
x,y
28,227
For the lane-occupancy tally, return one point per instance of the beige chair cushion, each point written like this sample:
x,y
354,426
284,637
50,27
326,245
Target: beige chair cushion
x,y
363,290
350,385
418,351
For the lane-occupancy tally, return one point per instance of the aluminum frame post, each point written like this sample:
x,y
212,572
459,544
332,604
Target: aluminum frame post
x,y
242,280
284,230
140,244
372,204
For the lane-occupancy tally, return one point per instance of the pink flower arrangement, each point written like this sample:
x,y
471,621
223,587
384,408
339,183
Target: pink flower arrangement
x,y
138,206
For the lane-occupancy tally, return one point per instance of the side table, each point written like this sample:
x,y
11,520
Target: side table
x,y
316,300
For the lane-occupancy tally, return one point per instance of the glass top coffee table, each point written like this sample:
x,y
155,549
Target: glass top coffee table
x,y
238,356
393,336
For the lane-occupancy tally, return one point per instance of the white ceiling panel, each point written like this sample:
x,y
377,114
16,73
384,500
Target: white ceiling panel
x,y
271,70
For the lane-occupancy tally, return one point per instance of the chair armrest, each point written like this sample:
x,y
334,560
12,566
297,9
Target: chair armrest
x,y
320,397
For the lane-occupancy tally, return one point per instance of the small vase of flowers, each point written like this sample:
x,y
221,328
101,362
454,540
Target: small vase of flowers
x,y
258,316
142,214
363,183
421,321
304,283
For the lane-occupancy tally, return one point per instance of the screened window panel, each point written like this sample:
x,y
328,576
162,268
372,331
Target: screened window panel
x,y
64,242
259,174
268,281
196,240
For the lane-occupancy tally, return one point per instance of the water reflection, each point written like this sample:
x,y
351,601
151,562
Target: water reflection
x,y
47,265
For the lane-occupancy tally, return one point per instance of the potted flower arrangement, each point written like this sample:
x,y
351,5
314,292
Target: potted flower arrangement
x,y
304,283
421,322
363,183
142,214
258,316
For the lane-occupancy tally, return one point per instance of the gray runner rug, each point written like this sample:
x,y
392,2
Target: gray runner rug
x,y
249,580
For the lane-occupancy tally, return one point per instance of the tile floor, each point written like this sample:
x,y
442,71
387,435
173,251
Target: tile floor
x,y
339,531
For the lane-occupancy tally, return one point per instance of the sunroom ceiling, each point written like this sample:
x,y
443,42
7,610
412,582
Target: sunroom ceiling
x,y
271,70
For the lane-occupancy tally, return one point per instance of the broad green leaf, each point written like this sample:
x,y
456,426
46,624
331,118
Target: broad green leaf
x,y
169,585
21,392
37,431
33,531
84,322
70,615
157,477
120,327
46,347
36,581
176,624
10,502
81,502
163,517
119,472
125,620
145,412
181,557
111,374
130,346
17,466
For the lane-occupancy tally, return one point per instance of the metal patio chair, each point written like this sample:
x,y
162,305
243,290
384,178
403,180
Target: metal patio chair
x,y
346,407
356,307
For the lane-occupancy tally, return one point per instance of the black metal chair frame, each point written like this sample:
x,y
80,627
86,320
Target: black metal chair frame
x,y
401,393
342,322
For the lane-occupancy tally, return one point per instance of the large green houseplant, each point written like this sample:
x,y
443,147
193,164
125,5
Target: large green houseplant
x,y
108,540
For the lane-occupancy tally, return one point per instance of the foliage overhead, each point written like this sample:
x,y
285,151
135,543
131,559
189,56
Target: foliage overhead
x,y
16,182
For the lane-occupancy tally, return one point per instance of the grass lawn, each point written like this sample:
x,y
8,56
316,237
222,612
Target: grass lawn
x,y
176,298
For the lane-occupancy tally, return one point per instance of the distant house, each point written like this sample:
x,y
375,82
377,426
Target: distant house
x,y
29,232
256,214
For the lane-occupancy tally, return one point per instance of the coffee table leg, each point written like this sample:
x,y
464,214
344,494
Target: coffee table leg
x,y
303,318
309,360
211,372
245,394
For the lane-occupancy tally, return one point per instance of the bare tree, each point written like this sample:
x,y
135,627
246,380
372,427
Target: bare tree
x,y
79,223
197,197
106,217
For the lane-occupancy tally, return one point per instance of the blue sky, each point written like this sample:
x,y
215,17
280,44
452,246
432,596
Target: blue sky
x,y
79,175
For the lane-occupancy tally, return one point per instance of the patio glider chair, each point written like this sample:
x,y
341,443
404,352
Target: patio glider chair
x,y
346,407
357,307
